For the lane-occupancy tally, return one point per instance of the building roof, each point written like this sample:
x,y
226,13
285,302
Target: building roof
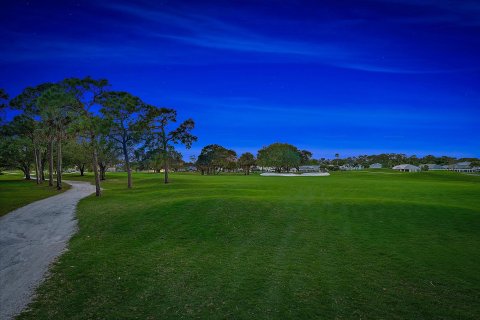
x,y
376,165
311,167
406,166
351,166
462,165
433,166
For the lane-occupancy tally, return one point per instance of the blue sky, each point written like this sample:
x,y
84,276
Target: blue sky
x,y
352,77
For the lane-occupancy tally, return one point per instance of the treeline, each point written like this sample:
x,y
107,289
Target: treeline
x,y
82,123
282,157
214,159
389,160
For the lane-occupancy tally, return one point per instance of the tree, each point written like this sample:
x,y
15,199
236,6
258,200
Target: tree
x,y
281,156
337,156
87,92
15,151
246,161
77,153
475,163
213,158
26,101
3,102
26,126
429,159
108,154
57,107
175,159
125,114
158,121
153,159
305,157
3,98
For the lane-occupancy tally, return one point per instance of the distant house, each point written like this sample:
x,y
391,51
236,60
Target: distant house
x,y
376,166
462,167
187,169
350,167
312,168
433,166
406,168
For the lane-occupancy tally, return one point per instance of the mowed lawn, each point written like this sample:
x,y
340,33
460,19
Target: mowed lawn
x,y
15,192
355,245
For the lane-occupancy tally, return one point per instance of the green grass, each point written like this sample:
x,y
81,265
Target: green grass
x,y
373,244
15,192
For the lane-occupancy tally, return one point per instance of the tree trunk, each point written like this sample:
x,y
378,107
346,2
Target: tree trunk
x,y
166,169
35,158
127,165
59,163
165,159
81,167
102,171
44,161
40,167
26,172
95,167
50,164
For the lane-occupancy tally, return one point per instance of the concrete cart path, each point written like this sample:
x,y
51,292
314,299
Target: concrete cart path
x,y
31,237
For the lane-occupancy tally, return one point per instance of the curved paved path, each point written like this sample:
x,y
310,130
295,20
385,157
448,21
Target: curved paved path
x,y
31,237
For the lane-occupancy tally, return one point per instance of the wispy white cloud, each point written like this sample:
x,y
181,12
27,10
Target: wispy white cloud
x,y
212,33
160,41
205,31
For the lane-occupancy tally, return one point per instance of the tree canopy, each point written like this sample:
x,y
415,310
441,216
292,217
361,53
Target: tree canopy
x,y
214,158
281,156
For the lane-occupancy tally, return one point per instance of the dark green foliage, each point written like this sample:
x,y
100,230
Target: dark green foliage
x,y
163,138
3,100
16,152
125,119
246,161
281,156
215,158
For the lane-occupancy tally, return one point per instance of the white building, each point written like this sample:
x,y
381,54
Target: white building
x,y
376,166
432,166
462,167
349,167
406,168
311,168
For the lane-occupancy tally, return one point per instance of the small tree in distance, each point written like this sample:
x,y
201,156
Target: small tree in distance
x,y
246,161
281,156
158,121
214,158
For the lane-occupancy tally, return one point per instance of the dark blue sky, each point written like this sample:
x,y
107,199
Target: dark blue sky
x,y
352,77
